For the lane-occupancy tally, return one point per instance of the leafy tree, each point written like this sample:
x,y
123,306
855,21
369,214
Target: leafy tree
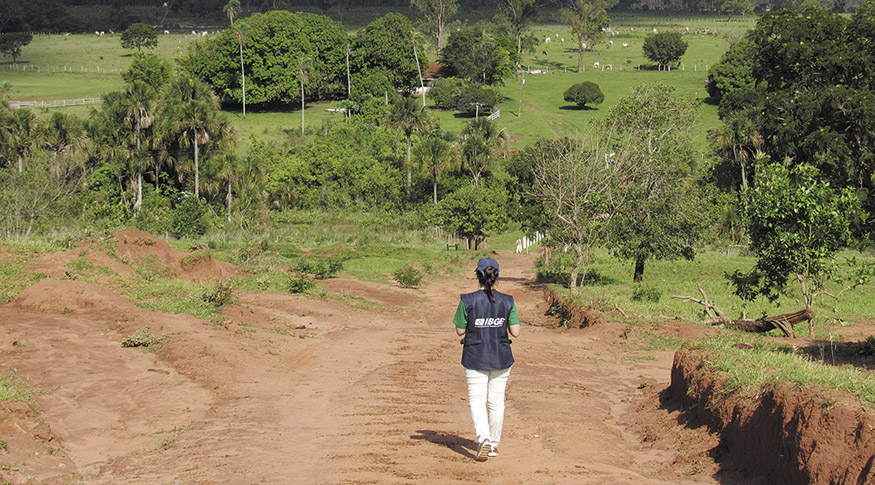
x,y
731,83
664,48
149,69
473,212
12,42
665,213
812,97
796,222
435,155
274,44
521,13
444,92
384,47
475,56
140,101
435,16
30,200
577,194
408,116
584,93
587,19
736,7
476,98
139,36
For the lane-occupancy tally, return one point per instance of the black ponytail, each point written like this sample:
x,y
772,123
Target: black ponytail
x,y
487,281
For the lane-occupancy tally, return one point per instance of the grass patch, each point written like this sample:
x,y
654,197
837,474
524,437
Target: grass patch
x,y
761,364
143,338
13,389
173,296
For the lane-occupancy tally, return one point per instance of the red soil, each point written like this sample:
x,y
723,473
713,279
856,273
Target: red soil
x,y
291,389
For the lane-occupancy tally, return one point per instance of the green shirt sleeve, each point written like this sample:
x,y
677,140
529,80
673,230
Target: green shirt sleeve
x,y
461,318
513,318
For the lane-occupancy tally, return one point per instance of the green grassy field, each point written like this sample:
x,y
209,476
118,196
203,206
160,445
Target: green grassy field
x,y
84,66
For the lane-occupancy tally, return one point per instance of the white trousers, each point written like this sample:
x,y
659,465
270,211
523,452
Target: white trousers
x,y
486,398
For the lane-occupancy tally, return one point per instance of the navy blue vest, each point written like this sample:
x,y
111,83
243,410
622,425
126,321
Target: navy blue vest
x,y
487,345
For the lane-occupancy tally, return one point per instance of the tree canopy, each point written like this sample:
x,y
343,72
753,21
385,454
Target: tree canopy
x,y
476,56
139,36
664,48
12,42
584,93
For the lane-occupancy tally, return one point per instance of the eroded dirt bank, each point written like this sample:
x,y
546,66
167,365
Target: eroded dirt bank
x,y
786,434
364,388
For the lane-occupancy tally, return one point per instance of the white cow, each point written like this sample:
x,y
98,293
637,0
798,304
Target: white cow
x,y
596,64
625,44
548,39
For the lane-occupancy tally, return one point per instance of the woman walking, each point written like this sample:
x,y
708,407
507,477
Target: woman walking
x,y
486,317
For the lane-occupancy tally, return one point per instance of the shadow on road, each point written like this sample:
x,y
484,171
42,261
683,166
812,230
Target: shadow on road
x,y
462,446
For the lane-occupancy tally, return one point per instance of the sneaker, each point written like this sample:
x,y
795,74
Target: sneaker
x,y
483,451
494,452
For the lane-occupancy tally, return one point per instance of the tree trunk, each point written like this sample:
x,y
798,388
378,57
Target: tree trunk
x,y
579,57
139,202
302,103
243,76
639,270
408,165
20,163
196,179
229,199
743,176
575,270
784,322
435,190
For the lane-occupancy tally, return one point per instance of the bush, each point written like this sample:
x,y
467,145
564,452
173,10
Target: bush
x,y
558,271
320,268
142,338
300,283
646,294
444,93
219,295
583,93
189,218
409,276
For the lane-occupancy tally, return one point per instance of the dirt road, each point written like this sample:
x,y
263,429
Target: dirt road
x,y
363,389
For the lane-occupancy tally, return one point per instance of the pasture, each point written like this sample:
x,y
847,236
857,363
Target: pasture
x,y
60,67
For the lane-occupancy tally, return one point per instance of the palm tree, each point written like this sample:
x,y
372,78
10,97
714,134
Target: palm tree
x,y
241,29
139,115
482,142
408,116
302,71
24,134
436,155
232,9
739,141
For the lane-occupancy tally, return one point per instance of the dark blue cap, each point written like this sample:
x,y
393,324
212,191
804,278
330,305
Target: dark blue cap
x,y
486,263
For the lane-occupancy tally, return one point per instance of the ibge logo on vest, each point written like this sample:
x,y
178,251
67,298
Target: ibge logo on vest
x,y
489,322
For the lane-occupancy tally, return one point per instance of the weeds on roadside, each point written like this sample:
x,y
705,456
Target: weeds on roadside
x,y
12,389
219,294
143,338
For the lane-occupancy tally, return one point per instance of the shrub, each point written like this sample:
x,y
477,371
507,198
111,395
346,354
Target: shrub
x,y
584,93
219,295
142,338
646,294
408,276
321,268
189,218
300,283
444,93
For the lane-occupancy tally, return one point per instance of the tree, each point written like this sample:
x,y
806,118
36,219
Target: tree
x,y
24,134
587,19
664,48
797,222
475,56
12,42
193,119
476,98
736,7
435,16
584,93
231,9
739,142
435,155
384,47
140,104
577,193
473,212
520,13
665,213
139,36
149,69
482,143
407,116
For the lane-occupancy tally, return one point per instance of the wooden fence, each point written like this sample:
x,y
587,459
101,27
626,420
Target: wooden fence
x,y
59,103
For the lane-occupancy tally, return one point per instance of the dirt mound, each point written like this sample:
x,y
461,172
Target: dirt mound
x,y
156,255
789,435
70,296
